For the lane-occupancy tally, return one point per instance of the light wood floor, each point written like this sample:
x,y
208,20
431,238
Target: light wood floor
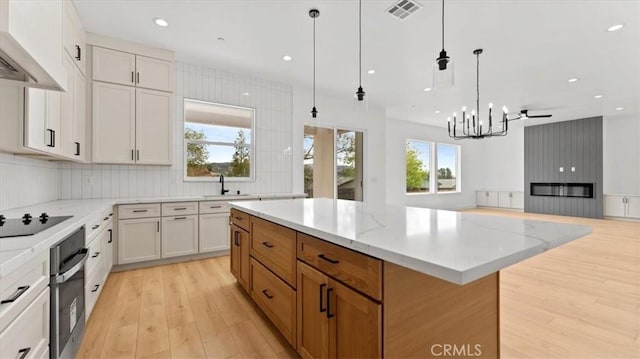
x,y
581,300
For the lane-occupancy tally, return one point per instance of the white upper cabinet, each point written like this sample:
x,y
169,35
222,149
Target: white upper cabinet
x,y
114,109
75,39
31,36
68,112
154,110
114,66
154,74
42,120
124,68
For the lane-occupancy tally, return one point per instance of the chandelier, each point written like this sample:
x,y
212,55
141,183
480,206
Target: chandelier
x,y
472,126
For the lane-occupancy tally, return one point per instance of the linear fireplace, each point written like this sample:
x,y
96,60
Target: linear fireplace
x,y
555,189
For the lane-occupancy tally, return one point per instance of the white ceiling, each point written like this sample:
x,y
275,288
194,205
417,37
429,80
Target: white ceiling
x,y
531,48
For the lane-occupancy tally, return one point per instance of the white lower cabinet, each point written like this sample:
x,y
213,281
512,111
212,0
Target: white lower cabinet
x,y
500,199
107,245
138,240
92,289
28,335
179,236
623,206
214,232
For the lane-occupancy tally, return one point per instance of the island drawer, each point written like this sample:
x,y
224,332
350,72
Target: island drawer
x,y
354,269
276,299
179,209
21,286
275,247
28,335
240,219
139,211
207,207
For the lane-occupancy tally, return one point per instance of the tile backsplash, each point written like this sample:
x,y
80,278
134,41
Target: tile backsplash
x,y
273,140
25,181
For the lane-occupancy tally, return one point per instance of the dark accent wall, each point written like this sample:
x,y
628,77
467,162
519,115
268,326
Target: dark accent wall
x,y
576,143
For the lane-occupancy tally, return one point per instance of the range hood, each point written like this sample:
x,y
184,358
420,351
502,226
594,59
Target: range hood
x,y
31,49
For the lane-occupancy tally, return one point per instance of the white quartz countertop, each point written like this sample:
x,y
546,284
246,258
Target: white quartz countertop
x,y
14,251
453,246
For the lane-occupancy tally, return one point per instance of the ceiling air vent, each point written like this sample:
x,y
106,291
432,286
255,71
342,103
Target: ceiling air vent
x,y
403,8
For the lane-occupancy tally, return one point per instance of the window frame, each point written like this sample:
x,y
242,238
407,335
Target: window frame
x,y
251,146
433,168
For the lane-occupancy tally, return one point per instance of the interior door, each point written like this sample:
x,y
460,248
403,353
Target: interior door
x,y
312,321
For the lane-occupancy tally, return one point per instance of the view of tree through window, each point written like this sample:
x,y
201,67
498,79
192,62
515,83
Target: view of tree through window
x,y
217,143
447,165
418,165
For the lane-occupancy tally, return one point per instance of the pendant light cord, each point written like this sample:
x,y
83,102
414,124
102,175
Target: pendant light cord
x,y
360,43
478,85
443,25
314,62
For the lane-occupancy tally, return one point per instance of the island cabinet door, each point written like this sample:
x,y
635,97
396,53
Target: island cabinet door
x,y
240,255
355,323
312,323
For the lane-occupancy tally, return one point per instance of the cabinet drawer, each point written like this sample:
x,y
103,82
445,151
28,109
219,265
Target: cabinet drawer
x,y
207,207
96,253
92,228
275,298
139,211
240,219
29,332
275,247
179,209
92,290
356,270
21,286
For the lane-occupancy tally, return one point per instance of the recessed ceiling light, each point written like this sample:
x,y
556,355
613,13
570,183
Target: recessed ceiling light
x,y
161,22
619,108
437,111
221,38
597,96
245,94
371,72
615,27
286,58
427,89
573,79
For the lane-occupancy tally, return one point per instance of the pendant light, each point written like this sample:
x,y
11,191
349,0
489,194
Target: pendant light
x,y
360,92
443,67
314,13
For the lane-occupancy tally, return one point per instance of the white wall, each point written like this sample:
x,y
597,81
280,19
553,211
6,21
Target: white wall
x,y
621,162
25,181
397,133
348,114
503,162
273,103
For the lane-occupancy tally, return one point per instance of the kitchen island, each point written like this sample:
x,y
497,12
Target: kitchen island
x,y
348,279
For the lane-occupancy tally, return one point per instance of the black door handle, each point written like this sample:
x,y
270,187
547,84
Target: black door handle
x,y
95,227
95,254
267,244
78,53
332,261
321,308
110,235
329,315
236,239
77,148
95,288
24,352
16,295
50,137
266,293
53,142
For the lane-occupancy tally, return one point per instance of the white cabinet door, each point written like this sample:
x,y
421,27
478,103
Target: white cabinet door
x,y
614,206
482,198
154,111
68,111
492,199
517,200
79,116
29,330
113,123
114,66
36,134
504,199
179,236
138,240
74,36
214,232
633,207
107,245
154,74
54,120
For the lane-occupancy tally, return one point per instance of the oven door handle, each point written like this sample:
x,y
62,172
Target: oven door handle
x,y
61,278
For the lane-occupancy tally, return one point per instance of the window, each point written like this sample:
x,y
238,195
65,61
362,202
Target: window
x,y
418,166
447,168
431,167
218,139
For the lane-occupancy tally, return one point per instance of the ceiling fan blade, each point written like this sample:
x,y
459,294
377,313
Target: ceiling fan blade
x,y
539,116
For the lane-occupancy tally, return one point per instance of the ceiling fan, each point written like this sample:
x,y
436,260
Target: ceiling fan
x,y
524,114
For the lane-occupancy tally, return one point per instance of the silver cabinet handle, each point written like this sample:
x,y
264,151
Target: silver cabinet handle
x,y
137,155
132,77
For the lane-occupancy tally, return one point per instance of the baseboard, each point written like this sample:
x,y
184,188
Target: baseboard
x,y
623,219
158,262
501,208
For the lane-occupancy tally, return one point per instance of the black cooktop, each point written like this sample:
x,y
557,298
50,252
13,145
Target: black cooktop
x,y
27,225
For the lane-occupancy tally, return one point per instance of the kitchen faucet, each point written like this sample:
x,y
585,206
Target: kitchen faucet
x,y
222,191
